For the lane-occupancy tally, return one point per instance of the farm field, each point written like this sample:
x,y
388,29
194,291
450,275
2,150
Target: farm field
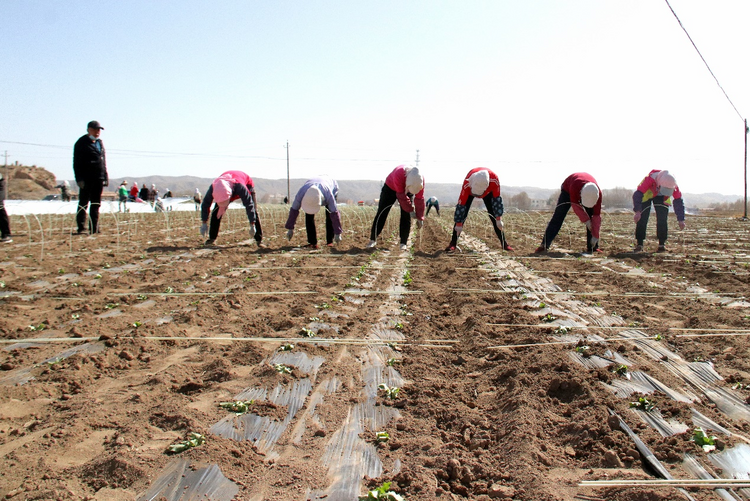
x,y
494,375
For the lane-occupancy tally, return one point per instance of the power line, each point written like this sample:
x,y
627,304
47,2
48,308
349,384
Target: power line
x,y
704,60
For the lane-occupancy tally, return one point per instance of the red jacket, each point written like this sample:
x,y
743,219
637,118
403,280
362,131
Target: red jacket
x,y
493,188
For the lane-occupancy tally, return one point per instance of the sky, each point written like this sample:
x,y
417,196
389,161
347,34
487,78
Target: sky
x,y
534,90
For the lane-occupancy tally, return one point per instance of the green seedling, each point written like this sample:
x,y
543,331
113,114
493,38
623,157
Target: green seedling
x,y
738,386
55,361
282,369
61,271
622,370
658,337
142,297
392,345
195,302
307,332
37,328
407,278
111,306
643,404
2,284
75,284
391,392
238,406
563,330
98,276
582,349
286,347
136,324
382,493
392,361
169,290
399,326
382,436
324,306
193,440
549,317
542,305
75,316
314,319
707,443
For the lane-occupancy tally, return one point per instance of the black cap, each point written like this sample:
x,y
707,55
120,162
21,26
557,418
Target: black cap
x,y
94,125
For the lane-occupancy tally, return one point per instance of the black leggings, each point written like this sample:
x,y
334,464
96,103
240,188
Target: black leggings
x,y
213,230
387,199
488,204
554,225
662,211
312,233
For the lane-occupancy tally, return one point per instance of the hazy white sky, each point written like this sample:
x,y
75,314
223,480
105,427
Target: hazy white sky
x,y
534,90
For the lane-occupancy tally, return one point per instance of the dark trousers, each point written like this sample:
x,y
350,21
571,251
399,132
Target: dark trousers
x,y
312,233
662,211
4,221
554,225
91,193
488,204
437,209
387,199
213,228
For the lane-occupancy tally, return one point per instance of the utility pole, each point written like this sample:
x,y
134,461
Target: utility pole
x,y
288,190
417,158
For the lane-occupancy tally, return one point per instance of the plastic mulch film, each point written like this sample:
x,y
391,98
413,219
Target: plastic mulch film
x,y
665,427
180,482
735,463
324,389
701,421
24,375
298,359
698,471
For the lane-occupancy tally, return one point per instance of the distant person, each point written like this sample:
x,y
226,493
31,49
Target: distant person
x,y
316,192
581,192
480,182
230,186
168,194
158,205
122,193
64,191
432,202
197,199
90,169
660,189
152,194
143,194
133,192
405,184
5,236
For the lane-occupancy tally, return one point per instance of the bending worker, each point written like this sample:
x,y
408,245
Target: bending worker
x,y
406,185
658,188
225,189
316,192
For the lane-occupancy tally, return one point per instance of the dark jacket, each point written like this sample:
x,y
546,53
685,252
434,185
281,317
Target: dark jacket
x,y
89,162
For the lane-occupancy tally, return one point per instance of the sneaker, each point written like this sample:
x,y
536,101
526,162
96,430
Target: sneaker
x,y
661,248
638,248
402,247
210,241
6,239
540,249
508,248
371,244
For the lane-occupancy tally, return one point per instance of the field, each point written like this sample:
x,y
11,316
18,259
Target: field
x,y
494,375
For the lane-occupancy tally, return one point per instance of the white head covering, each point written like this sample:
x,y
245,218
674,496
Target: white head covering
x,y
589,195
312,200
666,183
479,182
66,183
414,180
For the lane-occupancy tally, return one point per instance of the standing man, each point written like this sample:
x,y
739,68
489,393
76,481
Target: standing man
x,y
316,192
660,189
581,192
90,169
482,183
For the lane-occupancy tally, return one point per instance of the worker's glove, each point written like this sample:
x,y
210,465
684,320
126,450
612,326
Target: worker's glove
x,y
337,238
588,224
682,224
420,224
637,217
81,185
413,214
458,228
499,223
204,229
106,182
594,241
289,234
252,230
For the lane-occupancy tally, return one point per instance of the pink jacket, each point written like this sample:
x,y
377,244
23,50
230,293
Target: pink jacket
x,y
396,181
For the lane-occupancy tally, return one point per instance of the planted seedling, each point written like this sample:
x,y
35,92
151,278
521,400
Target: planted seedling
x,y
37,328
407,278
238,406
391,392
583,350
142,297
98,276
136,324
193,440
549,317
643,404
169,290
563,330
622,370
307,332
282,369
2,284
111,306
542,305
399,326
393,346
392,361
382,436
738,386
703,440
286,347
324,306
382,493
658,337
314,319
75,316
61,271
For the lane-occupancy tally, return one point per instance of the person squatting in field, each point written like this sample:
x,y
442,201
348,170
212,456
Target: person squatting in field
x,y
433,202
581,192
660,189
230,186
480,182
405,184
90,170
311,196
